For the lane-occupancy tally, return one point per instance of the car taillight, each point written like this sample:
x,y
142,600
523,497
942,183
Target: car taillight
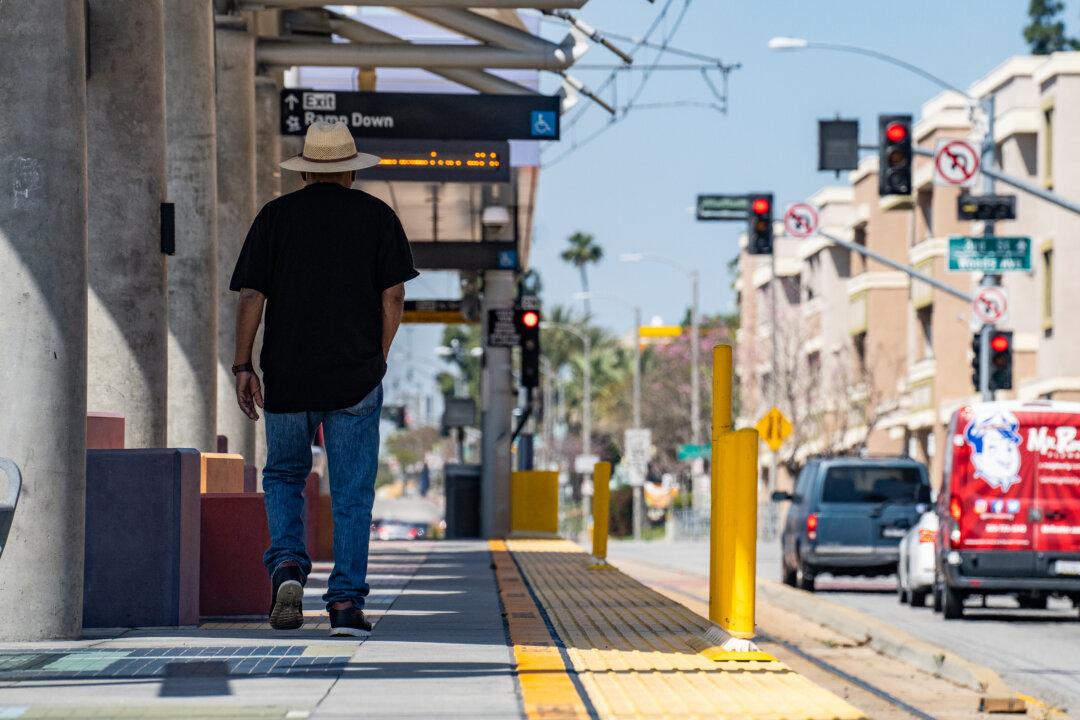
x,y
954,509
413,533
926,536
811,526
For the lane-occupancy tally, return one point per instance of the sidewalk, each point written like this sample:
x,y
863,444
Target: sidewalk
x,y
575,643
438,649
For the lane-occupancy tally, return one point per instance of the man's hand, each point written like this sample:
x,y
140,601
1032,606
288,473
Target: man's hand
x,y
248,393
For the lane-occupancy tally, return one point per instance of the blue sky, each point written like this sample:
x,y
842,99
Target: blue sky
x,y
632,187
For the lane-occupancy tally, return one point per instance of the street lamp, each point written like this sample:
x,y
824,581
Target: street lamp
x,y
695,378
639,489
985,124
591,295
586,406
782,43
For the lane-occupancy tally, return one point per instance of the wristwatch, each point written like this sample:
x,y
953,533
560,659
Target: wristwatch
x,y
243,367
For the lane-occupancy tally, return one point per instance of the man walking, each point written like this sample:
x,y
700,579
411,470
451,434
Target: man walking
x,y
330,264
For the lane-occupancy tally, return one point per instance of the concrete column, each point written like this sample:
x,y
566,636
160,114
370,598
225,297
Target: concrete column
x,y
291,146
43,313
191,169
267,187
125,131
497,401
235,68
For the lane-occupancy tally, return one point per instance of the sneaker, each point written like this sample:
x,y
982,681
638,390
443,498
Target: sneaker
x,y
287,610
349,621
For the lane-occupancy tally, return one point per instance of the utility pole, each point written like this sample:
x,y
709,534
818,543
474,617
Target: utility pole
x,y
774,386
695,358
639,488
988,279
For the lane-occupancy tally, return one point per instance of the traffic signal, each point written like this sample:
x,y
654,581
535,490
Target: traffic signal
x,y
986,207
759,233
894,154
528,327
976,375
395,414
1001,360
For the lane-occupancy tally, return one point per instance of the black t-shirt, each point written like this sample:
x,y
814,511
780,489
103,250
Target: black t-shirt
x,y
322,256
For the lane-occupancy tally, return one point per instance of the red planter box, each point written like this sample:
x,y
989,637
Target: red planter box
x,y
232,578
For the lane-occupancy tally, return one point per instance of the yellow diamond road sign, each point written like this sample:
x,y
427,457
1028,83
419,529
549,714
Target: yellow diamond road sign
x,y
774,428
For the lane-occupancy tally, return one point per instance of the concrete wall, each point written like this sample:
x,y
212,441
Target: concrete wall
x,y
43,314
236,148
191,167
128,317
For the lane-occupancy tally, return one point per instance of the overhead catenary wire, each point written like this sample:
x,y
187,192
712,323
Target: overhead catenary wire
x,y
648,70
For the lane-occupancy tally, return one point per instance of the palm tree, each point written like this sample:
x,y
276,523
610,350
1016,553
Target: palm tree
x,y
583,250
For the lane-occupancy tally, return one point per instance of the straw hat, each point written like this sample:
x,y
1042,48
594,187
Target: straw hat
x,y
328,148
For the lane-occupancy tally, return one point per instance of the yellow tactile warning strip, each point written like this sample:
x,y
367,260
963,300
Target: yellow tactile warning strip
x,y
635,652
547,690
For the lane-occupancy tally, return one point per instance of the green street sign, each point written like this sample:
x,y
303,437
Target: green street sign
x,y
968,253
693,452
722,207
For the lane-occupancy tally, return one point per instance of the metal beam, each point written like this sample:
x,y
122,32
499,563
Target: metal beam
x,y
1018,183
482,28
499,4
478,80
885,260
286,52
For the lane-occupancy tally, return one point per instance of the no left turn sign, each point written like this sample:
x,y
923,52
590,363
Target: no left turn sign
x,y
956,163
991,305
801,220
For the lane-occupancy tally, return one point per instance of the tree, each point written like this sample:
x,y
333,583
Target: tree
x,y
582,252
1046,31
461,339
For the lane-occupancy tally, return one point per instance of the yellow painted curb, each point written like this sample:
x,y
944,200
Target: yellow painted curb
x,y
546,688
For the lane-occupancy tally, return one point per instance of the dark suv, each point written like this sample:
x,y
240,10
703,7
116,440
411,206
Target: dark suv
x,y
847,516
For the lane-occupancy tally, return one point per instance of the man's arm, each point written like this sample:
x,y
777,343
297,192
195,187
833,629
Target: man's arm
x,y
249,313
393,305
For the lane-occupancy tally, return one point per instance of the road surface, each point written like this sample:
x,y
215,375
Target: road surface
x,y
1035,652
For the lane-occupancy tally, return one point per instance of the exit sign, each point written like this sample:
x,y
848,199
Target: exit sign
x,y
988,253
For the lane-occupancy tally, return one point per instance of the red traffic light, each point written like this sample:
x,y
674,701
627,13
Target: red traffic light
x,y
896,132
999,343
530,318
760,206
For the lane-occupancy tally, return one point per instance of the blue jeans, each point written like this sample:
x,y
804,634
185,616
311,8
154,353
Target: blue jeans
x,y
352,453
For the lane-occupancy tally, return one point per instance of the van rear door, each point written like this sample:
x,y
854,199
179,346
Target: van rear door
x,y
1053,441
991,491
864,507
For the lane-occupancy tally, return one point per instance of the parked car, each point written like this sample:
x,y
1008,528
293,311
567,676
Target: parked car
x,y
847,516
1009,507
396,530
916,565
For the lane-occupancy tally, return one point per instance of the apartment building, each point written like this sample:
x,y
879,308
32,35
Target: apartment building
x,y
882,361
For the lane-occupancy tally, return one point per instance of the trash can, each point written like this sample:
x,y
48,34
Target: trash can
x,y
462,501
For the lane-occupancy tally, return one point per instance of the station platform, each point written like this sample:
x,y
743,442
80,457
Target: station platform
x,y
516,629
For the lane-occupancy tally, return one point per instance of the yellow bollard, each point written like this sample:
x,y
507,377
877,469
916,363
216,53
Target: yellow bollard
x,y
721,423
732,526
738,533
601,511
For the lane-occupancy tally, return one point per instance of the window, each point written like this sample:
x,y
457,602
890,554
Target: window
x,y
925,316
859,341
874,485
1048,147
1048,290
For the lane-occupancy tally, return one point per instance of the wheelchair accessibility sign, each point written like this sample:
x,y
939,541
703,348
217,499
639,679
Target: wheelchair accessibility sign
x,y
544,124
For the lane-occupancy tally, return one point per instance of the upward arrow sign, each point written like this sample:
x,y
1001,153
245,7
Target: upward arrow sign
x,y
291,101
